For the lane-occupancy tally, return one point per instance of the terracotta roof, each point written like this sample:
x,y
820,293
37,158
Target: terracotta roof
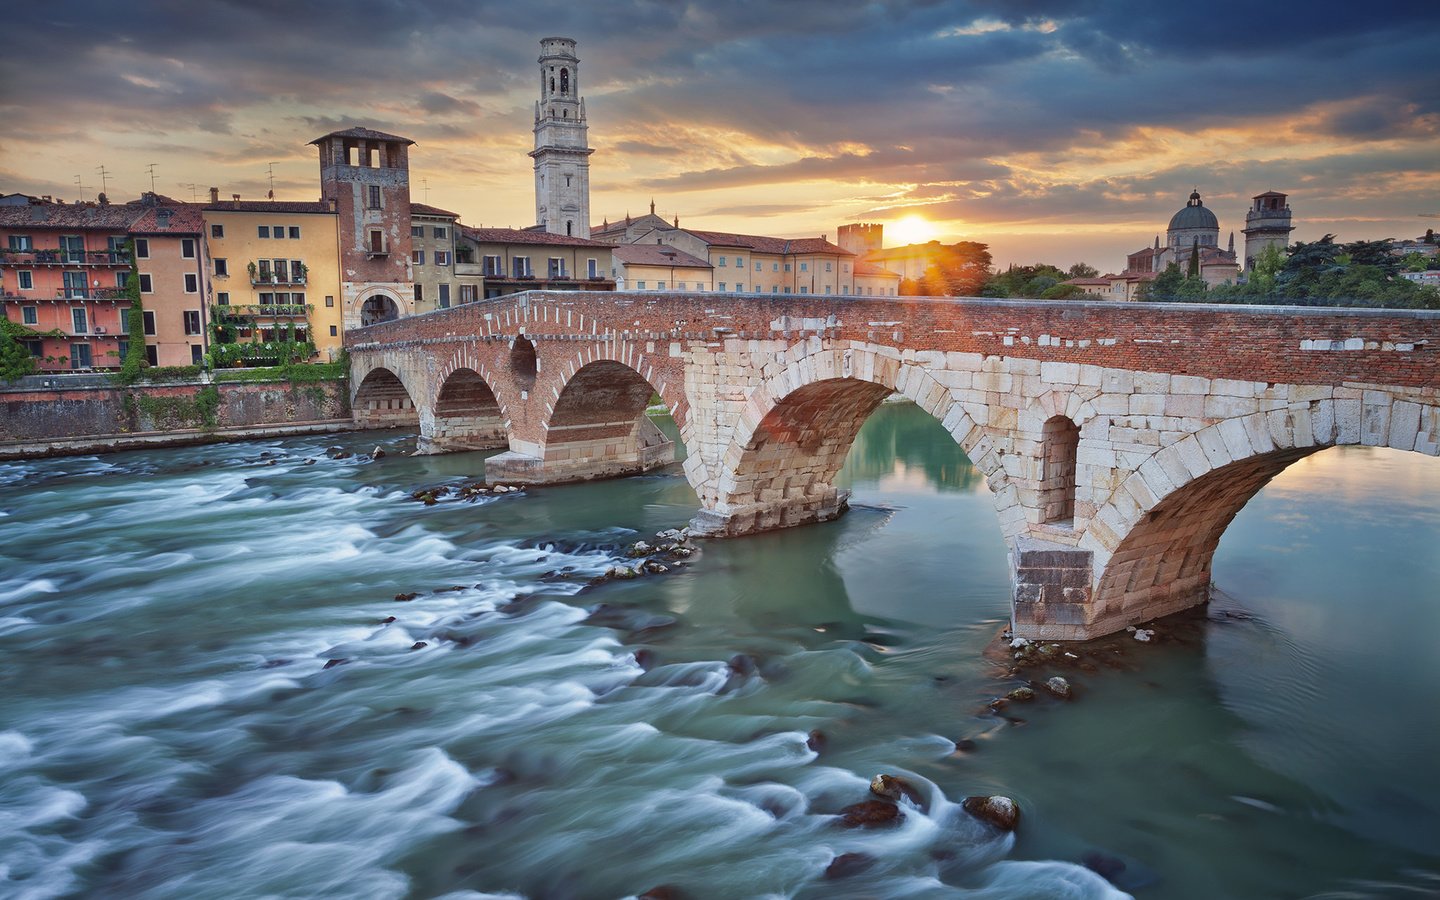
x,y
519,236
865,268
182,218
762,244
368,134
1269,194
150,199
657,255
1088,282
277,206
79,216
425,209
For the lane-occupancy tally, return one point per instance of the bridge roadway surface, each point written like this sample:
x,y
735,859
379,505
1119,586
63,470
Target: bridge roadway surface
x,y
1119,440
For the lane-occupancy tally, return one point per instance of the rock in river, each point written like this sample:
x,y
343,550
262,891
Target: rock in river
x,y
871,814
1059,687
1002,812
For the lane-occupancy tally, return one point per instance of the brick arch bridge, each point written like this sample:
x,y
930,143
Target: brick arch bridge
x,y
1118,440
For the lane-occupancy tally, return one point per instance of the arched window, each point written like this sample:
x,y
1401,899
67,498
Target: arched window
x,y
552,84
569,227
1061,438
564,81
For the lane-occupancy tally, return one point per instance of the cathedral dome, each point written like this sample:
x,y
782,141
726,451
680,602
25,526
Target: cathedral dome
x,y
1194,215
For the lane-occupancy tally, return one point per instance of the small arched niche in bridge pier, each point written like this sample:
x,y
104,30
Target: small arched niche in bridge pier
x,y
524,364
1060,438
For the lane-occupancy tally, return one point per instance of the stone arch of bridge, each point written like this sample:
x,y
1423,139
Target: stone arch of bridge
x,y
382,399
1154,540
797,427
596,425
468,414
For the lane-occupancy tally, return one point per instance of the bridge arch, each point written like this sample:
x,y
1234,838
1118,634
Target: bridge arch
x,y
1157,535
797,427
382,400
468,414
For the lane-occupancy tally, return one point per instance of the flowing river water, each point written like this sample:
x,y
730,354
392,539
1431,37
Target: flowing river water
x,y
173,725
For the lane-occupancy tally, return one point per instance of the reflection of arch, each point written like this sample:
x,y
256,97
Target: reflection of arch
x,y
1175,509
382,401
378,308
467,414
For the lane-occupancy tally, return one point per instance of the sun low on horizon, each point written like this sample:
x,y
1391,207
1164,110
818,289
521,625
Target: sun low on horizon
x,y
911,229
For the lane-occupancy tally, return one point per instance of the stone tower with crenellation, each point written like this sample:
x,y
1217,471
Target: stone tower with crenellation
x,y
1267,222
562,151
860,237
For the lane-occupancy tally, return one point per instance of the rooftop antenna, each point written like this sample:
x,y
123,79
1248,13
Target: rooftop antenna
x,y
194,191
426,183
104,182
151,169
271,170
81,186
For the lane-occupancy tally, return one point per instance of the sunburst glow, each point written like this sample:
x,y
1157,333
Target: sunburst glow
x,y
912,229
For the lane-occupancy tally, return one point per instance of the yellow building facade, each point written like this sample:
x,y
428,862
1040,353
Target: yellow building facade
x,y
274,266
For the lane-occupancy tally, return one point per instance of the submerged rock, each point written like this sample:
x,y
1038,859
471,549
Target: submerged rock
x,y
1021,694
406,598
655,568
419,645
847,864
332,663
816,740
964,745
1104,865
1059,687
1002,812
871,814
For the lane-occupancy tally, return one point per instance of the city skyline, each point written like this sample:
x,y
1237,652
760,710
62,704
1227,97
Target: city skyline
x,y
1051,131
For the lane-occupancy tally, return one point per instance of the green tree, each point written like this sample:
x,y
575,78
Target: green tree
x,y
1083,270
954,270
1194,269
15,359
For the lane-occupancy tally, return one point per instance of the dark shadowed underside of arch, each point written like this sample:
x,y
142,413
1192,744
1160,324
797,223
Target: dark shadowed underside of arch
x,y
381,401
467,415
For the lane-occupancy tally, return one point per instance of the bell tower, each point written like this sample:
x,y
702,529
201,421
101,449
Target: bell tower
x,y
562,151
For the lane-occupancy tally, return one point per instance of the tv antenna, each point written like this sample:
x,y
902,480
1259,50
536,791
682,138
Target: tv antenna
x,y
425,182
151,169
270,170
194,191
81,186
104,182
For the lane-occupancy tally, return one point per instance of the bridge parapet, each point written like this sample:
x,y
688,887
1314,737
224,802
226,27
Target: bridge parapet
x,y
1118,439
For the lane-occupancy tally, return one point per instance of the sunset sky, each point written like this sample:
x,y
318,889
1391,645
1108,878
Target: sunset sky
x,y
1054,130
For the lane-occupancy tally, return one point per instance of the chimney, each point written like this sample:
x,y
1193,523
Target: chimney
x,y
214,195
235,197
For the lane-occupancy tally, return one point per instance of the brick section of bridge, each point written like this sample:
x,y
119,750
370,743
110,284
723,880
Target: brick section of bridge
x,y
1118,439
1245,343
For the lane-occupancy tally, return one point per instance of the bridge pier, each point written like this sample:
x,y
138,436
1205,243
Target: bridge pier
x,y
802,507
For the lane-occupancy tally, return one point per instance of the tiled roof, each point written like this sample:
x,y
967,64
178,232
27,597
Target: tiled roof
x,y
366,134
865,268
762,244
1088,282
425,209
183,218
657,255
277,206
78,216
519,236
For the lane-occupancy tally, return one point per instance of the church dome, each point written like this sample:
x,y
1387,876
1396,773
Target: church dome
x,y
1194,215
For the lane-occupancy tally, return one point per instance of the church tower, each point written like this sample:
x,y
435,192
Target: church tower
x,y
1267,222
562,151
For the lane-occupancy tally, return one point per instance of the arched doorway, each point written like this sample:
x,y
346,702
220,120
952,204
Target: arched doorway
x,y
378,308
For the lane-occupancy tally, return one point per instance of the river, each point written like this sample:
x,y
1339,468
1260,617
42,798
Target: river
x,y
203,695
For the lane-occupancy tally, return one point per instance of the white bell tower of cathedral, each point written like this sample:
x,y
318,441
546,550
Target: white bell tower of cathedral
x,y
562,151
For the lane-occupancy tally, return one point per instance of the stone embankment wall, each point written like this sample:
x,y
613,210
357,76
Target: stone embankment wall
x,y
46,412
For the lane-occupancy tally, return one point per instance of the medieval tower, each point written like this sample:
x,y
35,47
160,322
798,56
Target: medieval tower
x,y
1267,222
365,175
562,151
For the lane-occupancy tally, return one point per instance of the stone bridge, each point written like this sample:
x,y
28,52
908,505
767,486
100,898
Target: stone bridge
x,y
1119,440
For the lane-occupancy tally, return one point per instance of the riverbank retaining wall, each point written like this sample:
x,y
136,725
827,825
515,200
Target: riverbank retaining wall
x,y
39,411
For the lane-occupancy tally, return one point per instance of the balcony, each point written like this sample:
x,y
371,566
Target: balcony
x,y
241,312
54,257
261,279
114,293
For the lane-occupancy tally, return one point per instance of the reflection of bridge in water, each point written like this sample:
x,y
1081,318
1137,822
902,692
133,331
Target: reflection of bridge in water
x,y
1118,440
